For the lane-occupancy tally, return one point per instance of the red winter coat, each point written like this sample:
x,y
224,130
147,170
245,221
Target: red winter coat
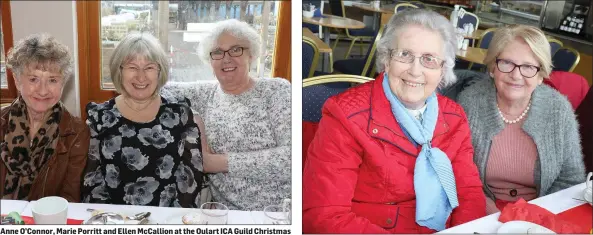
x,y
358,177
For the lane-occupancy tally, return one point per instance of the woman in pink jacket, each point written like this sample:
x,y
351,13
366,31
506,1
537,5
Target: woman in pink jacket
x,y
392,156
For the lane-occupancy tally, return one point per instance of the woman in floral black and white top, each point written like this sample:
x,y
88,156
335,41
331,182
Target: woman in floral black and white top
x,y
144,149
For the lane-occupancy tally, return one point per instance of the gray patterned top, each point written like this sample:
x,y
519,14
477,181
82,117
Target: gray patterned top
x,y
156,163
254,130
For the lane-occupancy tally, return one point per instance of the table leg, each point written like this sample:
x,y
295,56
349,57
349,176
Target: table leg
x,y
325,59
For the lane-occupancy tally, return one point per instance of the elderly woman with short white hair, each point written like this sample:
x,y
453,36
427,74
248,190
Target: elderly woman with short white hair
x,y
245,121
392,155
42,146
525,134
144,149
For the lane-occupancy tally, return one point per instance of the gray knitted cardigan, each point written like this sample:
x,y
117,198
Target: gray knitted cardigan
x,y
551,124
254,130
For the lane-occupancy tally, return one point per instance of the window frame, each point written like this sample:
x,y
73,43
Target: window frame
x,y
7,95
89,51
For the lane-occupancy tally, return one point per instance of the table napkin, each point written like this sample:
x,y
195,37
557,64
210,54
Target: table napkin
x,y
521,210
29,220
581,215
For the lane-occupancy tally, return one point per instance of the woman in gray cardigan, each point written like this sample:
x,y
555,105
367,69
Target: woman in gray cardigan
x,y
525,134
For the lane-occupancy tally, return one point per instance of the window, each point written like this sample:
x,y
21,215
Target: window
x,y
7,89
3,83
180,25
101,24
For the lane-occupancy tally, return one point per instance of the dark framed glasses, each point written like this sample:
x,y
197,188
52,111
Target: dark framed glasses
x,y
233,52
526,70
427,60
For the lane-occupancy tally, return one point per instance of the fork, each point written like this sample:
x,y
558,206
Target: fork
x,y
580,200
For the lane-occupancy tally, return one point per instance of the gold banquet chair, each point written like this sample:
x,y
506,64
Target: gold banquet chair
x,y
316,91
310,57
403,6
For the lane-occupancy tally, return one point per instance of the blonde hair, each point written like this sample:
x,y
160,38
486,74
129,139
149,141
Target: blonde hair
x,y
133,45
534,37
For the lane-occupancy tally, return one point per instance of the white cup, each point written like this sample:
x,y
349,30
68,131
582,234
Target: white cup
x,y
308,14
50,210
377,4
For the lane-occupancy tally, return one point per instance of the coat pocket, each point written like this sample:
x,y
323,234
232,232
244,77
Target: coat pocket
x,y
383,215
394,218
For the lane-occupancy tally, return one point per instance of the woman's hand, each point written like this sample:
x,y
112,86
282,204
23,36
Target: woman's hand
x,y
212,163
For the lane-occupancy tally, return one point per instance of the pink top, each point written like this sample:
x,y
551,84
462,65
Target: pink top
x,y
510,168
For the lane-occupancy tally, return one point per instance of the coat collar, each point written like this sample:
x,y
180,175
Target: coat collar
x,y
383,125
66,127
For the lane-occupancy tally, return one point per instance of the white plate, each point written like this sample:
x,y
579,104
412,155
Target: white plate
x,y
517,226
177,217
174,219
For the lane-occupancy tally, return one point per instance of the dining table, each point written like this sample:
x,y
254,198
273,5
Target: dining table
x,y
476,34
377,11
556,203
331,21
321,45
472,54
158,215
7,206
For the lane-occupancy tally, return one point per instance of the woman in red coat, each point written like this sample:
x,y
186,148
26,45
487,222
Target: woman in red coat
x,y
392,156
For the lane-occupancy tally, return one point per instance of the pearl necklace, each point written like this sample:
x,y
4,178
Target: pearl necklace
x,y
516,120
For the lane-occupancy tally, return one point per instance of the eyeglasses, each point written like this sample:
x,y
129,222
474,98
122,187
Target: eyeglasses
x,y
526,70
233,52
427,60
134,70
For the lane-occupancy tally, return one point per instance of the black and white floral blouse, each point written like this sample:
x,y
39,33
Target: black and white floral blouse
x,y
154,164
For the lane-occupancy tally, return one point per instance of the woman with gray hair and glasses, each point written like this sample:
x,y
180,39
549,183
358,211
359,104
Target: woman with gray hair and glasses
x,y
391,155
42,146
144,149
245,121
525,134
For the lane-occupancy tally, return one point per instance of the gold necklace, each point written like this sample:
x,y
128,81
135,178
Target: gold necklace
x,y
140,109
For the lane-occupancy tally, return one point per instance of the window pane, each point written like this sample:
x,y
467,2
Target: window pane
x,y
185,22
3,82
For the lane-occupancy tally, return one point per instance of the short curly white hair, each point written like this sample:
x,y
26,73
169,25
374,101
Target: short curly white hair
x,y
429,20
238,29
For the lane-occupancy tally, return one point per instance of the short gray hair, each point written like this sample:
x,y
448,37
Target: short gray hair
x,y
239,29
40,50
429,20
133,45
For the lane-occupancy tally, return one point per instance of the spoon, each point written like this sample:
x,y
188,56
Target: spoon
x,y
139,216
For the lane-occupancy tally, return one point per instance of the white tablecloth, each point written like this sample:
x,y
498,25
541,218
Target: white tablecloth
x,y
557,202
160,215
7,206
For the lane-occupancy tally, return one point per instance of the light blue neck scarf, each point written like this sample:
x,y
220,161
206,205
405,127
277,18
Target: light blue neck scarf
x,y
434,182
